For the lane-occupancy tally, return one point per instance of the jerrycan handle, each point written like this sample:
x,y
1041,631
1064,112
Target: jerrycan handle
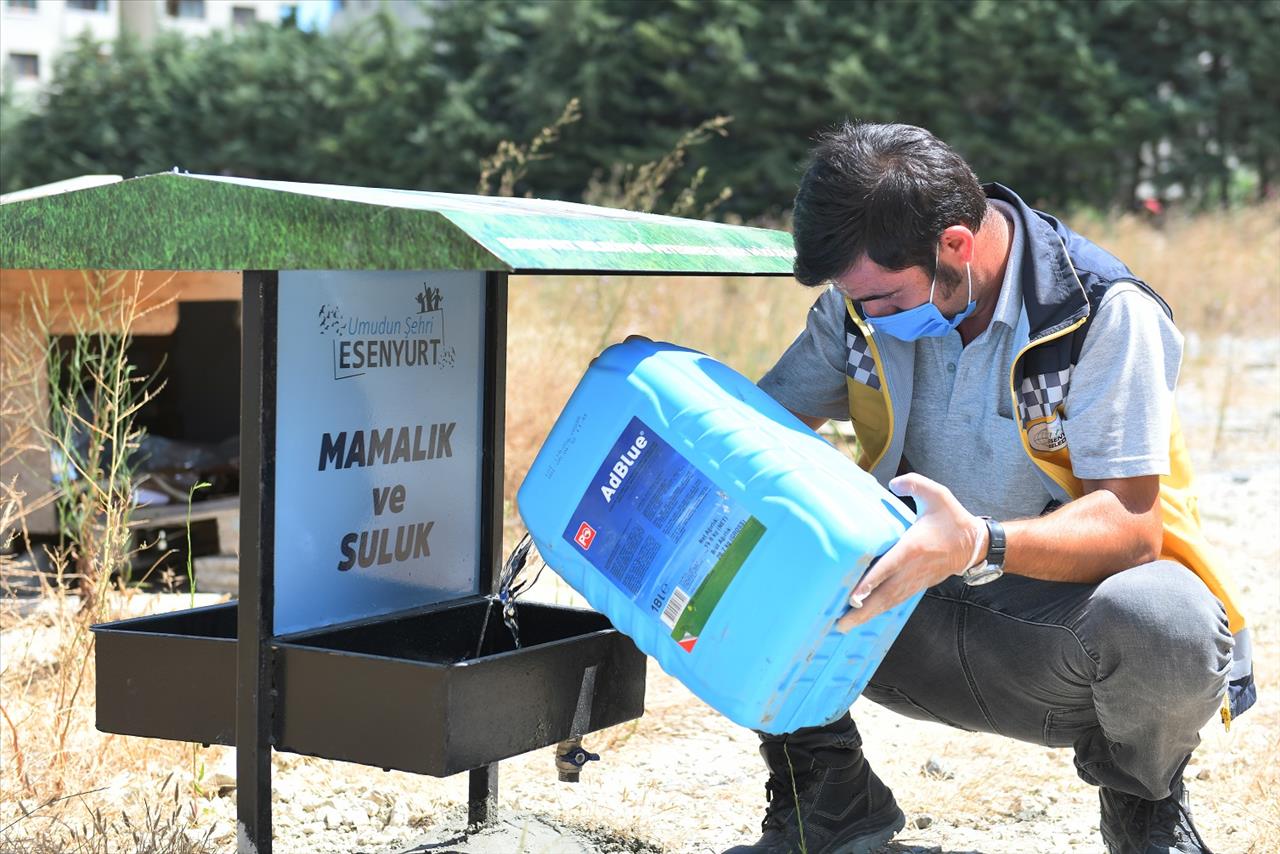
x,y
897,505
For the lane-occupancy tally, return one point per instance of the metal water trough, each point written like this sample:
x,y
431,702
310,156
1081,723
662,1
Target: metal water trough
x,y
170,675
422,675
379,692
428,679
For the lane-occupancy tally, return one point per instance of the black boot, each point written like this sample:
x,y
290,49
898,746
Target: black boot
x,y
843,806
1131,825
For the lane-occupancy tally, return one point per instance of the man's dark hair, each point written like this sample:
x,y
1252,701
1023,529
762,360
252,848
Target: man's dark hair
x,y
887,191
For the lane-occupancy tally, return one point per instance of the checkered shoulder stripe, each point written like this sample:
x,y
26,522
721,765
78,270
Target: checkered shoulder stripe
x,y
861,365
1041,394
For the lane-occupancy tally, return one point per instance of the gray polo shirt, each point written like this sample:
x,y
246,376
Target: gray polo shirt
x,y
962,431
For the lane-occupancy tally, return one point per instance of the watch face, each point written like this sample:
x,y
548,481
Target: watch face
x,y
983,574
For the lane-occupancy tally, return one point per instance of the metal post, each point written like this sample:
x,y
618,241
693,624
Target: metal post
x,y
255,697
493,437
482,795
482,785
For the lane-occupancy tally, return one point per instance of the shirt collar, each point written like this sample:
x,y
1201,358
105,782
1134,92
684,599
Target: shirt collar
x,y
1009,305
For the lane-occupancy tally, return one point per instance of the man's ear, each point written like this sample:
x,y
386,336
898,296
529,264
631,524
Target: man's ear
x,y
956,248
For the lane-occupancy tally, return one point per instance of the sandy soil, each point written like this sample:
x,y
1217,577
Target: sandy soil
x,y
683,779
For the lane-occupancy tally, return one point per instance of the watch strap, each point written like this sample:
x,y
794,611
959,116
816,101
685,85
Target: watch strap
x,y
995,542
992,566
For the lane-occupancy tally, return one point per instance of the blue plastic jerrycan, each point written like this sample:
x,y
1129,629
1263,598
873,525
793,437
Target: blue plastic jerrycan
x,y
717,531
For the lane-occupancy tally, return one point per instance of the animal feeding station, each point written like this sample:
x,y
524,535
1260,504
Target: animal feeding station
x,y
373,368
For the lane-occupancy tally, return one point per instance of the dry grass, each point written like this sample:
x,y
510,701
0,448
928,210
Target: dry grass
x,y
509,164
50,750
59,779
1221,273
65,787
630,186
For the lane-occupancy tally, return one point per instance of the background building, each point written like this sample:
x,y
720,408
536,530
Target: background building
x,y
343,14
34,32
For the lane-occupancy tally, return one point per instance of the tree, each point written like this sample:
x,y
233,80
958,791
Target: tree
x,y
1067,102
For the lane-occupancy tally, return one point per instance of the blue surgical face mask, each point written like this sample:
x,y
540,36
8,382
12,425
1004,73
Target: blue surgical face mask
x,y
925,320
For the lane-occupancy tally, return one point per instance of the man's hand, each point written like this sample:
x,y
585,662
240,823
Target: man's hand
x,y
945,540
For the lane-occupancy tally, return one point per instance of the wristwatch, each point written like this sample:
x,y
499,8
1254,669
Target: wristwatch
x,y
992,566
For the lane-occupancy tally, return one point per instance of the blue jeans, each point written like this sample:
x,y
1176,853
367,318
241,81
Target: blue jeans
x,y
1126,671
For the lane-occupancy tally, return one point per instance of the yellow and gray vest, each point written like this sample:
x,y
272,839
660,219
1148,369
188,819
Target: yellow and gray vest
x,y
1063,278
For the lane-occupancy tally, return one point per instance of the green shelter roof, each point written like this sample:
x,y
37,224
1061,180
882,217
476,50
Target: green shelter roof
x,y
180,221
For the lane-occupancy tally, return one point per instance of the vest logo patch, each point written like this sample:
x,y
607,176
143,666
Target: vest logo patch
x,y
1048,436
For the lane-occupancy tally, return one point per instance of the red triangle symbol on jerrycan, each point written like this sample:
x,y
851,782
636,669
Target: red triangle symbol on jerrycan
x,y
687,643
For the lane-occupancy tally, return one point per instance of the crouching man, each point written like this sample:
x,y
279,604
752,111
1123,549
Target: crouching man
x,y
1016,381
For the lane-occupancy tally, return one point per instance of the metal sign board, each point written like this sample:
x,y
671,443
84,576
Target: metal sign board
x,y
378,443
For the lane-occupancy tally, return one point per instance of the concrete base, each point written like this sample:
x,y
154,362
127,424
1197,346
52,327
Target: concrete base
x,y
510,833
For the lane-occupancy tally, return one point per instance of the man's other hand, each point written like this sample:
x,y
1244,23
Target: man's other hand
x,y
944,540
